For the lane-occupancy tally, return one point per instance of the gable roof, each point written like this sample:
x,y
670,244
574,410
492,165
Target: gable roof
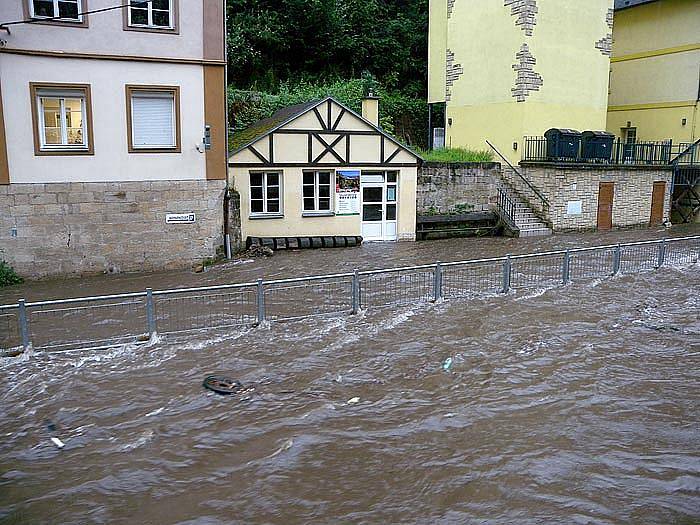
x,y
244,138
260,129
622,4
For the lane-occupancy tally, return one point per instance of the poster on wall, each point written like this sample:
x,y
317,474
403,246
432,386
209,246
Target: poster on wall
x,y
347,192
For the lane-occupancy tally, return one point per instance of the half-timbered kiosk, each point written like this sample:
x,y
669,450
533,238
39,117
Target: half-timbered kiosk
x,y
319,174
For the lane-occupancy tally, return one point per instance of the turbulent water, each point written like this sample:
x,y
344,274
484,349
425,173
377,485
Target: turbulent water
x,y
567,405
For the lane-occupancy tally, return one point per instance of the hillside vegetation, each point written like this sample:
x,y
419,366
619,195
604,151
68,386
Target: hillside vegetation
x,y
283,52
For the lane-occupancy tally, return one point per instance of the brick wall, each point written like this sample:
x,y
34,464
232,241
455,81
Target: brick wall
x,y
442,187
632,196
87,228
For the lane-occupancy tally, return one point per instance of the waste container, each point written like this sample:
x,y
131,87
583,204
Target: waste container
x,y
562,143
597,145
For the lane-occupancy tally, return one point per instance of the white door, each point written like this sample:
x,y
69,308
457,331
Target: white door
x,y
380,195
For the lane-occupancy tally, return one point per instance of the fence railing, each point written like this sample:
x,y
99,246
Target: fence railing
x,y
540,149
112,320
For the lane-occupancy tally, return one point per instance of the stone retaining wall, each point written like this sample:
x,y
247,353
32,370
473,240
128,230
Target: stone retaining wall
x,y
87,228
448,188
563,184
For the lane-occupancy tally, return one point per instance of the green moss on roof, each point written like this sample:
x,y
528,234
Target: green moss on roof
x,y
256,131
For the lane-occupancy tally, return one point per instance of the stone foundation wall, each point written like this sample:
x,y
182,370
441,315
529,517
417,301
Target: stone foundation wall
x,y
562,185
88,228
234,221
444,188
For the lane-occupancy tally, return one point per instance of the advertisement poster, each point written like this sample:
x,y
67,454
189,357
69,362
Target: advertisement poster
x,y
347,193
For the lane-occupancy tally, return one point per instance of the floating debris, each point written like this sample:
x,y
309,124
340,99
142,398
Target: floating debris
x,y
447,364
57,442
222,385
353,401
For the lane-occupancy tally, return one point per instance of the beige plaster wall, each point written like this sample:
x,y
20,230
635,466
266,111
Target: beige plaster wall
x,y
293,223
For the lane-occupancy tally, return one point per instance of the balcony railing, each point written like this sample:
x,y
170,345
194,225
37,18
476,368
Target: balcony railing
x,y
539,149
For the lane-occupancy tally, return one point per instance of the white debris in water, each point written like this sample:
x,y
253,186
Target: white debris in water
x,y
57,442
353,400
286,446
155,412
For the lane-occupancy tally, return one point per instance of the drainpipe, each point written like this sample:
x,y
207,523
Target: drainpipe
x,y
227,236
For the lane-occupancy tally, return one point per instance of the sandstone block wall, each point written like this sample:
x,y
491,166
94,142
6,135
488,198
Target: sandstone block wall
x,y
87,228
445,188
631,201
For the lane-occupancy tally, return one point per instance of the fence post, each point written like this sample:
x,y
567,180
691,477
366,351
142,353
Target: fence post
x,y
24,324
566,268
150,313
662,254
506,274
261,302
617,260
355,292
437,283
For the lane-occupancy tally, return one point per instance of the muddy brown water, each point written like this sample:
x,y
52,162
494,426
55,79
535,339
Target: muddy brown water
x,y
563,405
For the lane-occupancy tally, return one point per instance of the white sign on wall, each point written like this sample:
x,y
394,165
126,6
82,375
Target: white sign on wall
x,y
574,207
347,192
180,218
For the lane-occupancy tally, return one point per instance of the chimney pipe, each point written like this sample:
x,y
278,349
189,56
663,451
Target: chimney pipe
x,y
370,108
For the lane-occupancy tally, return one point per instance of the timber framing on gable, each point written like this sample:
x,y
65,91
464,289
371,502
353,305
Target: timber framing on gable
x,y
333,136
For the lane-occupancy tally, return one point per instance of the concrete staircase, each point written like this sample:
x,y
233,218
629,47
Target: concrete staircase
x,y
525,221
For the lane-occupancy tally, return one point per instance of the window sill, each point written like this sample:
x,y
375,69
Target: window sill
x,y
153,29
318,214
59,22
155,150
58,152
266,216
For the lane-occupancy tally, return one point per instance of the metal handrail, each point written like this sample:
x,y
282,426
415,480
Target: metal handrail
x,y
344,275
545,202
261,286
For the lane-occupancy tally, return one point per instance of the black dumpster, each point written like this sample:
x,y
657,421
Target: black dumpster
x,y
597,145
562,143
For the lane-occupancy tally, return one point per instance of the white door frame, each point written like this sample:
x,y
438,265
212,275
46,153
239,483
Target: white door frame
x,y
383,229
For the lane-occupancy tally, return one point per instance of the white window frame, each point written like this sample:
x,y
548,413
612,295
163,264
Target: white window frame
x,y
265,212
61,96
331,191
149,11
78,3
154,93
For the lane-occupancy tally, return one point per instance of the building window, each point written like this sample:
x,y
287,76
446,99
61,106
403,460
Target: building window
x,y
155,14
62,119
153,119
317,191
265,193
59,10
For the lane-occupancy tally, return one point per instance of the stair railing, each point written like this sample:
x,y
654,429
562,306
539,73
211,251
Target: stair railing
x,y
507,208
543,199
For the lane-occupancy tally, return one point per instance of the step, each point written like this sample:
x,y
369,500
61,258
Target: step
x,y
540,232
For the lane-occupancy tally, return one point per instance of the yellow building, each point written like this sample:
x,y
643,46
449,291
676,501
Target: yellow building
x,y
655,70
506,69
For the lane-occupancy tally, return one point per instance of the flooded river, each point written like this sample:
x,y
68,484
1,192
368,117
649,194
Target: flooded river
x,y
569,405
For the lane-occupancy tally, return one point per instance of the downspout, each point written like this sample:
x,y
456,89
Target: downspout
x,y
227,233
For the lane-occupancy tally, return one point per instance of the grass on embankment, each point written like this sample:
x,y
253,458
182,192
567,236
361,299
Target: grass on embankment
x,y
455,155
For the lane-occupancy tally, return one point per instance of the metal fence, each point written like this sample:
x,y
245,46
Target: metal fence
x,y
538,149
131,317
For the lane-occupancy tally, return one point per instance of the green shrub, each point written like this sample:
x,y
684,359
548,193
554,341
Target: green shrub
x,y
8,277
455,155
400,115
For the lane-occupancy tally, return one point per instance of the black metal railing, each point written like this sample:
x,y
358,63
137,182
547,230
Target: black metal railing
x,y
528,184
539,149
686,154
507,207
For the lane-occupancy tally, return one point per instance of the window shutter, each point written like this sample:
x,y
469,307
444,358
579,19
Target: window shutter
x,y
153,120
